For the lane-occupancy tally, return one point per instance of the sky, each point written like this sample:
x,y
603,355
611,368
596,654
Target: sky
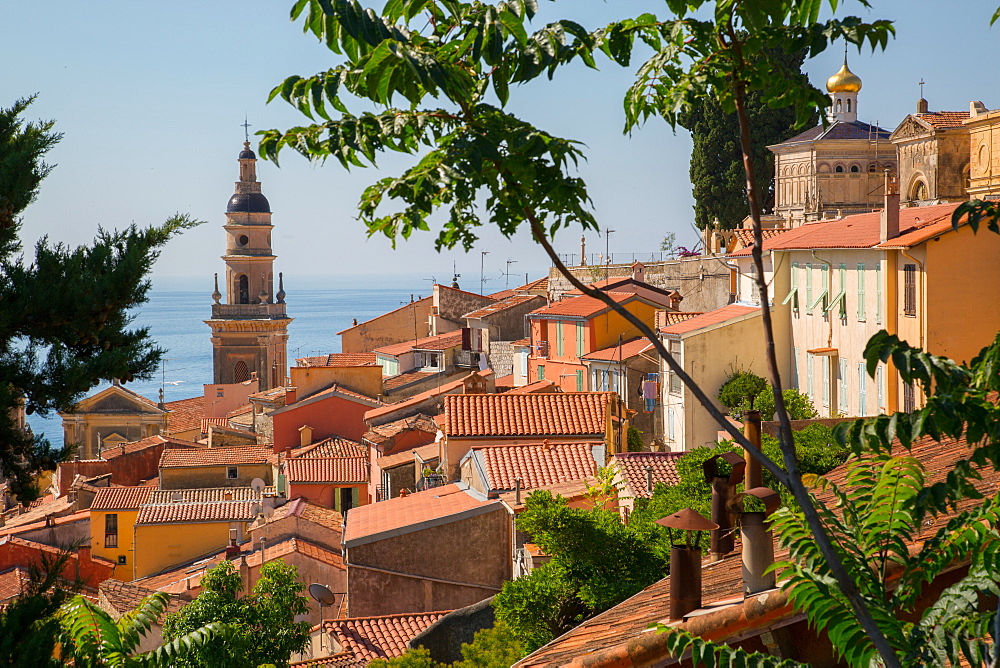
x,y
151,98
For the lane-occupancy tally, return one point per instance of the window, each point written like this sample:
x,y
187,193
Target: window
x,y
809,287
909,400
541,372
840,300
854,168
111,530
122,560
861,293
910,289
579,380
604,380
754,288
232,473
793,294
241,372
614,381
825,362
878,294
839,169
670,423
418,360
843,387
880,388
559,339
219,392
825,295
244,289
579,339
862,391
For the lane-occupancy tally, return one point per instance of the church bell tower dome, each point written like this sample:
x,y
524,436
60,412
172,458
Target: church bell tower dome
x,y
844,81
843,88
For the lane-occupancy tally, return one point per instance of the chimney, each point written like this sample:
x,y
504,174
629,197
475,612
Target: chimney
x,y
758,545
889,218
638,272
921,106
723,492
976,108
751,429
232,550
685,562
675,300
404,492
227,495
290,395
517,491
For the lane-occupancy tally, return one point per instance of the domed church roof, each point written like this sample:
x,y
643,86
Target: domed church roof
x,y
248,203
844,81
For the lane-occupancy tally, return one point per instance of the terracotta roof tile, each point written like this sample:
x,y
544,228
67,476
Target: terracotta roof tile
x,y
327,469
862,230
633,465
581,307
408,378
745,237
229,455
426,452
310,512
334,446
38,510
205,495
340,660
383,432
149,442
710,318
13,581
439,342
536,414
410,511
126,596
242,410
339,359
220,511
370,638
569,490
509,302
185,414
543,385
536,465
625,351
944,119
274,393
521,342
673,317
389,409
121,498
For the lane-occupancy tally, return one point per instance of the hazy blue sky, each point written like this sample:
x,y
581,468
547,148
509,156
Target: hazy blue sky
x,y
151,97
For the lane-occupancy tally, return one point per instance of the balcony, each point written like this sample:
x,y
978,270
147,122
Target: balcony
x,y
246,250
467,359
248,311
431,481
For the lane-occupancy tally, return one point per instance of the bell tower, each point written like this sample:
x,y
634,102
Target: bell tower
x,y
250,328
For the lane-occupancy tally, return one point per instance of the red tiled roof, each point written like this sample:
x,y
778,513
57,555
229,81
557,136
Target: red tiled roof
x,y
126,596
521,342
12,582
219,511
339,359
310,512
539,284
149,442
236,412
402,380
361,324
185,414
339,660
863,230
229,455
710,318
370,638
944,119
543,385
120,498
335,446
432,505
389,409
633,467
275,393
745,237
439,342
673,317
499,306
536,414
327,469
625,351
426,452
569,490
581,307
536,465
418,422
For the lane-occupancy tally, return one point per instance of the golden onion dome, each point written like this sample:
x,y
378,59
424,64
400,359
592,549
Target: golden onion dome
x,y
844,81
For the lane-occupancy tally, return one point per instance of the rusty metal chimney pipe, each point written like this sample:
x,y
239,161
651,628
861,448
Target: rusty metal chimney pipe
x,y
721,540
517,491
758,554
751,429
685,580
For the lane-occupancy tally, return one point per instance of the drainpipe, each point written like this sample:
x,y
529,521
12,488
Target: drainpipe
x,y
923,295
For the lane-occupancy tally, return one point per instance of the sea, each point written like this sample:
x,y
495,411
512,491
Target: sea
x,y
178,307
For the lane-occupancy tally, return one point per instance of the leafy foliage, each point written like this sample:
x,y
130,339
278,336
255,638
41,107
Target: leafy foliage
x,y
798,404
718,179
496,647
92,638
29,626
741,389
264,630
65,316
578,581
634,439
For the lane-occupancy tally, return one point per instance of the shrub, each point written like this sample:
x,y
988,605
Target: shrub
x,y
739,392
799,406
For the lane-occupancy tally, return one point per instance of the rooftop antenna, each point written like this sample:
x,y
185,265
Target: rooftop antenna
x,y
322,595
482,268
507,273
607,251
455,275
246,128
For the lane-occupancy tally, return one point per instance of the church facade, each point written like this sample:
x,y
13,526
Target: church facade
x,y
249,328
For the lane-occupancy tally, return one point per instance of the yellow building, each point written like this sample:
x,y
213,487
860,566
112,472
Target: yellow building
x,y
113,516
225,466
176,526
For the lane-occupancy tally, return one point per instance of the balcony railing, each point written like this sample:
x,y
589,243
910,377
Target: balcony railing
x,y
247,250
468,359
431,481
248,311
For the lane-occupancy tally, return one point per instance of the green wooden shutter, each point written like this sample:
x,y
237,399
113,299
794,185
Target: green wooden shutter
x,y
579,339
559,339
861,292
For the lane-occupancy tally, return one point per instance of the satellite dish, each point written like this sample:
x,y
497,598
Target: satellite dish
x,y
176,497
268,512
257,485
257,509
322,594
438,436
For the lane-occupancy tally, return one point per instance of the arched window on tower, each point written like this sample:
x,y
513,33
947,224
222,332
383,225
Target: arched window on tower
x,y
839,169
241,373
855,169
244,289
840,104
848,105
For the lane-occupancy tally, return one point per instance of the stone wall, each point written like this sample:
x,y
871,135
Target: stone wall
x,y
501,358
702,281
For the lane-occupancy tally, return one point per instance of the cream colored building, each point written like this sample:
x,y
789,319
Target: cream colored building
x,y
249,329
111,417
836,169
984,145
933,152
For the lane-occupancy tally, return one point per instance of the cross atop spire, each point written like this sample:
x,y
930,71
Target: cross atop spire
x,y
921,84
246,128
